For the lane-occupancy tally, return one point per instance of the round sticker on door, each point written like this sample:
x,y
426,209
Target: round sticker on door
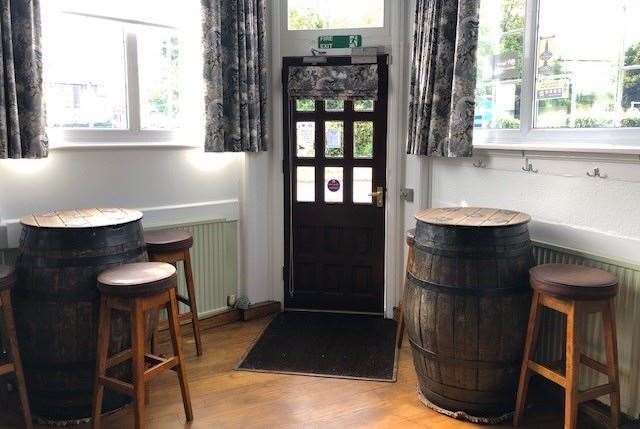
x,y
333,185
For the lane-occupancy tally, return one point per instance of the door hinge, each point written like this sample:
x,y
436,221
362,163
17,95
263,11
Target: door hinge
x,y
284,166
284,273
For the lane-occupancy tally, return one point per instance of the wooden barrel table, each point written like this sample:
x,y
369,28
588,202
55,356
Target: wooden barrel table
x,y
466,307
61,254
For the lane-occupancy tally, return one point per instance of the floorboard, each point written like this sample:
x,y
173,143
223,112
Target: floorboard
x,y
225,398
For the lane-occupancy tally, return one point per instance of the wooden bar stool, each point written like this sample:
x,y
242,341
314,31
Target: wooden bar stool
x,y
7,281
172,246
575,291
137,288
411,239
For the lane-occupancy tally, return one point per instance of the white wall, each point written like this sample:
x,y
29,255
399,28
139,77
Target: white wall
x,y
171,184
569,209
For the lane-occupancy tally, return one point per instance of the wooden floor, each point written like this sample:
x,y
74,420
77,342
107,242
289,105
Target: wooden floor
x,y
224,398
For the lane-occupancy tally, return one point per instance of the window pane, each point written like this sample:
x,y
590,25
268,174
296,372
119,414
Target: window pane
x,y
333,185
587,78
305,184
305,139
334,105
500,63
334,139
159,70
305,105
363,105
363,139
84,75
335,14
362,185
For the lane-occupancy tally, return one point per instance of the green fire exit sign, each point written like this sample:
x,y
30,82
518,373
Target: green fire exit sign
x,y
337,42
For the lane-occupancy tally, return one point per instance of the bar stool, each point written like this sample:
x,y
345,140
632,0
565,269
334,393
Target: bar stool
x,y
575,291
411,239
7,281
172,246
137,288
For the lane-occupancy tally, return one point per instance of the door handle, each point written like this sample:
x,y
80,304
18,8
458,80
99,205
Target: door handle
x,y
378,196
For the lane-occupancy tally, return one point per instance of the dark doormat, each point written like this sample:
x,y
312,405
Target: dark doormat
x,y
326,345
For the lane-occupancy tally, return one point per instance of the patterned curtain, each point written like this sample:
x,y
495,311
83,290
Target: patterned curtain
x,y
355,82
443,78
22,114
235,74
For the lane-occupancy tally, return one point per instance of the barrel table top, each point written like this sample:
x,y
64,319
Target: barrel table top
x,y
82,218
472,216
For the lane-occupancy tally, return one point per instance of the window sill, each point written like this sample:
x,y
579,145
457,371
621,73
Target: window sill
x,y
121,145
567,148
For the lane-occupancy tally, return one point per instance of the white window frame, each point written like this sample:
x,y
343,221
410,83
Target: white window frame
x,y
134,132
603,140
375,33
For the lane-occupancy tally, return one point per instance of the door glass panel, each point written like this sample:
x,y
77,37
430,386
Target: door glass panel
x,y
362,184
334,139
334,106
305,105
363,105
305,184
363,139
306,139
333,184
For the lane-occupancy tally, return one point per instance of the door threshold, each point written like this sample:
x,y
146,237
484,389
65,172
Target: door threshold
x,y
368,313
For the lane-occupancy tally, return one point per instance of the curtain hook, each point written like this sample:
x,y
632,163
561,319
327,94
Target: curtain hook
x,y
528,166
596,173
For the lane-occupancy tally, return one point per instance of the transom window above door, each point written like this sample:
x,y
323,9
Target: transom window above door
x,y
335,14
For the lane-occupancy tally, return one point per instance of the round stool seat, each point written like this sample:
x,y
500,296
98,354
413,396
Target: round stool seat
x,y
574,282
137,279
7,277
168,240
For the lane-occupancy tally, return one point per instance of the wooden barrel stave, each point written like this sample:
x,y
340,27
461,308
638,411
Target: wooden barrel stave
x,y
466,302
57,305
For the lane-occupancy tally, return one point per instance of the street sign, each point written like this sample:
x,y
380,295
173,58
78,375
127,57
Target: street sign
x,y
553,89
339,42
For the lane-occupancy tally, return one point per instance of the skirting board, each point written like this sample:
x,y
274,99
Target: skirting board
x,y
224,317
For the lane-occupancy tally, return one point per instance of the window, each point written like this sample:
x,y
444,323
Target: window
x,y
114,71
546,65
334,14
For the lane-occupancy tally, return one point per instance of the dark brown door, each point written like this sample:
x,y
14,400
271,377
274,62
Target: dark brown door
x,y
335,158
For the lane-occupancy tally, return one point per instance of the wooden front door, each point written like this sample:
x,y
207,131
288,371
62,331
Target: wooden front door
x,y
335,158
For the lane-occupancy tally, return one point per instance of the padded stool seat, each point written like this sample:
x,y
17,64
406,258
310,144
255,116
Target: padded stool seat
x,y
137,279
574,282
168,240
7,277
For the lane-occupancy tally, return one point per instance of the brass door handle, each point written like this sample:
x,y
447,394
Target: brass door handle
x,y
378,196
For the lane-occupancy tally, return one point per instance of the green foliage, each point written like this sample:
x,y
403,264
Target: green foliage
x,y
591,122
305,19
507,123
631,82
334,105
305,105
630,122
363,105
363,139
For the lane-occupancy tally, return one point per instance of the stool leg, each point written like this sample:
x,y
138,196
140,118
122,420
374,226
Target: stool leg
x,y
10,327
191,291
611,340
572,366
102,354
174,330
137,353
400,331
529,350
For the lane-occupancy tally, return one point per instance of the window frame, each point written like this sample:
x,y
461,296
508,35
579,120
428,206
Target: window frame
x,y
602,140
375,33
134,132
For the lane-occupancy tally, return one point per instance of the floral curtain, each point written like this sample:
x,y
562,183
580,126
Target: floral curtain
x,y
235,74
443,78
22,114
354,82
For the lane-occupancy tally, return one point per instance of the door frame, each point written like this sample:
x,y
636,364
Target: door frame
x,y
393,253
